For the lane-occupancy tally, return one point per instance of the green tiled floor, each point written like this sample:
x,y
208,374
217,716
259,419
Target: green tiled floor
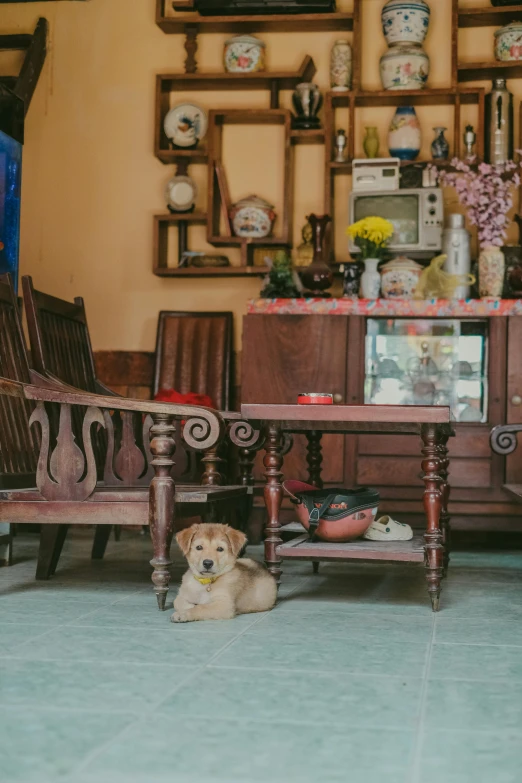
x,y
350,678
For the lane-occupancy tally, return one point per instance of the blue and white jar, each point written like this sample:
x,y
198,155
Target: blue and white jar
x,y
404,135
405,21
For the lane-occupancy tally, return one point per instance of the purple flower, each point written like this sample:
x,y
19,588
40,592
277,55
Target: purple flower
x,y
486,192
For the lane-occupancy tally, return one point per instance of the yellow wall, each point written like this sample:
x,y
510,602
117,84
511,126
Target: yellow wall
x,y
91,182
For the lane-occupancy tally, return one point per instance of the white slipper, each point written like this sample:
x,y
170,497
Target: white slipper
x,y
388,529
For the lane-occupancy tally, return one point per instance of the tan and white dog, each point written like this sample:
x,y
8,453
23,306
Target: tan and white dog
x,y
218,585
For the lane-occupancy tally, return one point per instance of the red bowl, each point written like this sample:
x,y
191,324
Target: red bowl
x,y
314,398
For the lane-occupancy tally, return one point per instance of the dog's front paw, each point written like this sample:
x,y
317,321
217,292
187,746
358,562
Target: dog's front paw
x,y
179,617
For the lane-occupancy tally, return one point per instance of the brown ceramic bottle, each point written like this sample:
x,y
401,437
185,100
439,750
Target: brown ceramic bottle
x,y
318,276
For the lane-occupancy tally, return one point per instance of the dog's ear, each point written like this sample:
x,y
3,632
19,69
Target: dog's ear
x,y
236,539
184,538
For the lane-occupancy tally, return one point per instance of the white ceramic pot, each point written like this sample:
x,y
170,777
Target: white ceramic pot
x,y
341,66
405,21
399,278
370,279
491,272
508,42
404,67
252,217
244,54
404,135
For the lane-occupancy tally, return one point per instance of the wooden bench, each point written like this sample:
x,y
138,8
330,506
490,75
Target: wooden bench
x,y
503,441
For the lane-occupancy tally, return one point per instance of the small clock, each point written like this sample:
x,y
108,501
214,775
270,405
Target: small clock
x,y
180,193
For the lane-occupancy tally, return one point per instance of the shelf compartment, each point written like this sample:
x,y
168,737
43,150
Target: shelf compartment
x,y
198,155
302,548
471,72
489,17
434,97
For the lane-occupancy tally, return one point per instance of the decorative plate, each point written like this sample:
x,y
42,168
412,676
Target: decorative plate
x,y
185,124
180,193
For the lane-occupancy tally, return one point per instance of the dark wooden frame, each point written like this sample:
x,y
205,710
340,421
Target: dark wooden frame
x,y
433,424
65,496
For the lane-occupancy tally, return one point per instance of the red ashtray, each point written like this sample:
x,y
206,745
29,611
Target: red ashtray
x,y
314,398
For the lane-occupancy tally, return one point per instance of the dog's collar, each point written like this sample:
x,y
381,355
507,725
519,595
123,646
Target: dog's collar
x,y
205,580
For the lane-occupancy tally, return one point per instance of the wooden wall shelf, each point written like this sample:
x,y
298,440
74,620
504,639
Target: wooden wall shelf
x,y
224,271
285,23
471,72
489,17
198,155
261,80
307,136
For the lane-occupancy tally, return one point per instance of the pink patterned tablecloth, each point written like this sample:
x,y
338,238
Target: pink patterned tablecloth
x,y
429,308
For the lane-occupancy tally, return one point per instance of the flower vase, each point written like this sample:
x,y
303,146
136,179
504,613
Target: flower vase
x,y
370,279
491,272
404,135
318,276
371,142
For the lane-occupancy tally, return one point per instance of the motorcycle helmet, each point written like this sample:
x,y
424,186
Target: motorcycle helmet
x,y
334,514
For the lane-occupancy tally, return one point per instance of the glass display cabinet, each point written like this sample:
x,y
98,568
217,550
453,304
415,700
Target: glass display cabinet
x,y
428,362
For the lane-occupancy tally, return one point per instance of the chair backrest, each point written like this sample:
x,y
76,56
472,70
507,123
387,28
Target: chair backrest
x,y
59,338
194,354
18,445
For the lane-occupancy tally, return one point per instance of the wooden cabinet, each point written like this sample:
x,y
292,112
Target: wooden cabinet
x,y
285,354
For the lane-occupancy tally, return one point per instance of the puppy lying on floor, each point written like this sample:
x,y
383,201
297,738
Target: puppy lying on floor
x,y
218,585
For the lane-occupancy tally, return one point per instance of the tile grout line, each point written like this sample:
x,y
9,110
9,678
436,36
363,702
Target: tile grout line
x,y
416,761
153,707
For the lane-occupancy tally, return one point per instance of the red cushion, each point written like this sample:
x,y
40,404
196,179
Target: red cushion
x,y
191,398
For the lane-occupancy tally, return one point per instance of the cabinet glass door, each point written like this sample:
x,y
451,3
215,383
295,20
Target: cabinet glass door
x,y
428,362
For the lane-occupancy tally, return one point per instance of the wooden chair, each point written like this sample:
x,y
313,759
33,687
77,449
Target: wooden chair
x,y
66,489
503,440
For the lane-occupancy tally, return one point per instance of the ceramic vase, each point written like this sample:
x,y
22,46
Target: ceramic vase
x,y
405,21
307,101
404,135
341,66
371,142
404,67
508,43
491,272
439,145
318,276
370,279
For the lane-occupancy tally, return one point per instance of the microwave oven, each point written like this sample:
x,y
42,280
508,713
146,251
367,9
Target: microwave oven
x,y
417,215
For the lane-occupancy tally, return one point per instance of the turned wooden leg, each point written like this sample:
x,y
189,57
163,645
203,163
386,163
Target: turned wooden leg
x,y
445,489
52,538
161,502
213,462
315,566
246,477
101,539
273,462
314,458
433,509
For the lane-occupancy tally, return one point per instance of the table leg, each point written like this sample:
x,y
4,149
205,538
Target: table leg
x,y
314,458
445,517
430,434
273,462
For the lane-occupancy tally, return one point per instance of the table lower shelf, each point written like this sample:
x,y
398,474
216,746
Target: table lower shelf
x,y
301,548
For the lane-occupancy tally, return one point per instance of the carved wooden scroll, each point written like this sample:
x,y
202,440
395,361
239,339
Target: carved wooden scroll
x,y
59,475
503,438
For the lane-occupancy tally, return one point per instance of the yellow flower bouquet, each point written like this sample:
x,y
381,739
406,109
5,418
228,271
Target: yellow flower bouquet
x,y
371,234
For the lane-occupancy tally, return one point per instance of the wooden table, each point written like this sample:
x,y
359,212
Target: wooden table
x,y
432,423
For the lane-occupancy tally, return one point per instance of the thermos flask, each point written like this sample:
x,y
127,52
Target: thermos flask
x,y
456,245
499,144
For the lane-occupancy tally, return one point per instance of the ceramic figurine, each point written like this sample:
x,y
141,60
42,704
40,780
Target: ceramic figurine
x,y
340,146
304,252
470,137
307,101
491,272
252,217
351,278
371,142
405,21
341,66
404,67
399,278
508,43
244,54
370,279
439,145
404,136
